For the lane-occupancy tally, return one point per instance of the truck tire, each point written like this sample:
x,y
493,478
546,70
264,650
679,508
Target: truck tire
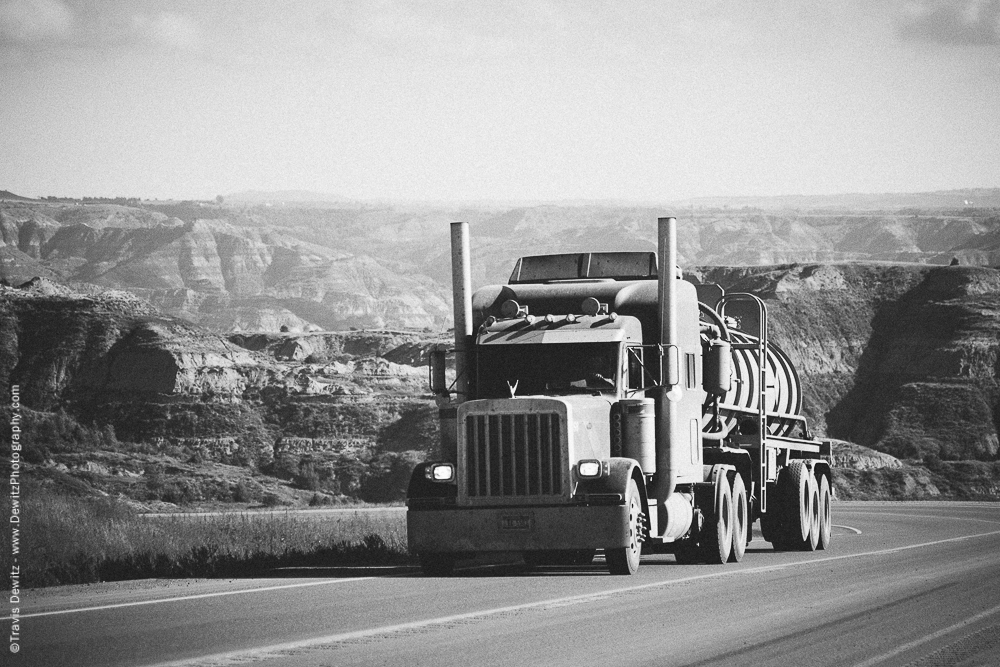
x,y
801,525
825,514
740,520
717,534
625,560
437,564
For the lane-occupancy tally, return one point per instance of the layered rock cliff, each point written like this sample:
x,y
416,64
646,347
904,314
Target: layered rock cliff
x,y
902,358
215,272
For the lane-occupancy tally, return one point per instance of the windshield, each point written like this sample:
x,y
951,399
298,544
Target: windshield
x,y
521,370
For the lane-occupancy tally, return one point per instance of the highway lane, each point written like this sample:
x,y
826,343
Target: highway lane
x,y
903,582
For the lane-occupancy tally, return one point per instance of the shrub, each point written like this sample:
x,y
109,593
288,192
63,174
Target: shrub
x,y
247,491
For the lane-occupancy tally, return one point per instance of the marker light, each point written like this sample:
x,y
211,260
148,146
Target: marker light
x,y
589,468
440,472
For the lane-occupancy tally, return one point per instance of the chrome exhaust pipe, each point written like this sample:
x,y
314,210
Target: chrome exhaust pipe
x,y
461,280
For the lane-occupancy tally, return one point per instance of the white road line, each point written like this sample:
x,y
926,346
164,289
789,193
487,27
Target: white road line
x,y
262,589
855,530
275,650
929,638
938,516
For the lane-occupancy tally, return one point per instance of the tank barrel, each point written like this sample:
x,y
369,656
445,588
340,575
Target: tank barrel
x,y
461,279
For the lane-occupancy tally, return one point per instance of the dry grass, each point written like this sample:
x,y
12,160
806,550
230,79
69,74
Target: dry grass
x,y
66,539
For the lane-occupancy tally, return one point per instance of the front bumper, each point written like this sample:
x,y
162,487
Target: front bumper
x,y
479,529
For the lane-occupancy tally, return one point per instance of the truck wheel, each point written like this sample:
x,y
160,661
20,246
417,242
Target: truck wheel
x,y
740,520
717,537
625,560
802,505
437,564
825,514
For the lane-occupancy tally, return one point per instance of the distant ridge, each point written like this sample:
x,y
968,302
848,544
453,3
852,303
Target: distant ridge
x,y
285,196
857,201
965,198
10,196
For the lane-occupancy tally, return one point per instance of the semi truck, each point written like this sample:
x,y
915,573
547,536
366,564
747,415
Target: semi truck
x,y
603,402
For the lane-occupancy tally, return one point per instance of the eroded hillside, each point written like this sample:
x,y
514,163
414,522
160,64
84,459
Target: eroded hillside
x,y
902,358
330,267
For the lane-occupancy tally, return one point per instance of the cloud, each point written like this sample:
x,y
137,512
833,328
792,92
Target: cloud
x,y
32,22
33,28
959,22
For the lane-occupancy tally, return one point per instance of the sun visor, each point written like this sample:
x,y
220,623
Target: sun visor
x,y
584,330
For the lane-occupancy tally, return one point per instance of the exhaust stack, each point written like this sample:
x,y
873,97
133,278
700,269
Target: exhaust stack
x,y
461,280
669,395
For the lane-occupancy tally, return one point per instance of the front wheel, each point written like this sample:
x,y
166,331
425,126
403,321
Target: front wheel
x,y
625,560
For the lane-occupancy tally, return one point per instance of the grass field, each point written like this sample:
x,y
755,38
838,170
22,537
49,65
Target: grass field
x,y
69,540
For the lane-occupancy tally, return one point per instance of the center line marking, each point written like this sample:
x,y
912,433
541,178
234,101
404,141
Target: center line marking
x,y
276,650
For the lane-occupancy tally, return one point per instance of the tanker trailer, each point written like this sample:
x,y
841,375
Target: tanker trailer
x,y
604,404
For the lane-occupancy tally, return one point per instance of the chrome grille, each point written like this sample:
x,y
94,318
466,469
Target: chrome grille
x,y
513,455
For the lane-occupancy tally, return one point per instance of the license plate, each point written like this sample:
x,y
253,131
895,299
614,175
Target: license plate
x,y
515,522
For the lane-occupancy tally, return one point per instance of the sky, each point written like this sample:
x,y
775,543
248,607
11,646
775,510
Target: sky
x,y
472,100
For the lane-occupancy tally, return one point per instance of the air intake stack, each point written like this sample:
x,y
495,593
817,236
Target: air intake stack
x,y
679,399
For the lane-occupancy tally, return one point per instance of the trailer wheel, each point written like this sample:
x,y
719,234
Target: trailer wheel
x,y
717,539
825,514
437,564
740,520
802,504
625,560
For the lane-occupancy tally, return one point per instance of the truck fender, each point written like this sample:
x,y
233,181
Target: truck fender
x,y
615,483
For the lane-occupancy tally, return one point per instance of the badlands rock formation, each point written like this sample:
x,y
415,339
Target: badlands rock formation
x,y
902,358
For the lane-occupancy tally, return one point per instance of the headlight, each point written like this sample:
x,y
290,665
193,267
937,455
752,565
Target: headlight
x,y
440,472
589,468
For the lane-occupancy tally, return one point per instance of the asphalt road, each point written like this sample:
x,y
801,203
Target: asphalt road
x,y
904,584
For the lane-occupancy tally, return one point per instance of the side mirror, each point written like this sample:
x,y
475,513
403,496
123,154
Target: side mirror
x,y
437,362
645,364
